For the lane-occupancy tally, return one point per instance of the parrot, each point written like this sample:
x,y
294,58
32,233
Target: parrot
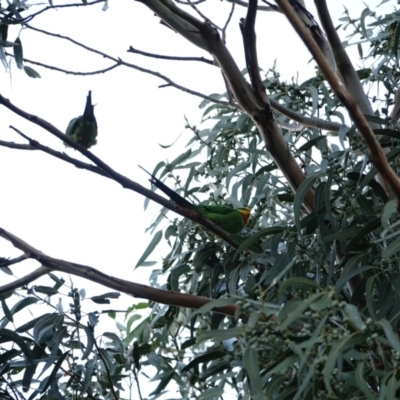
x,y
83,129
229,219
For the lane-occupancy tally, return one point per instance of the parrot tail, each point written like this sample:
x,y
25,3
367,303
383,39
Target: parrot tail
x,y
175,197
88,114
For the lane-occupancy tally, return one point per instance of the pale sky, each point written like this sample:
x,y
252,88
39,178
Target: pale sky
x,y
81,217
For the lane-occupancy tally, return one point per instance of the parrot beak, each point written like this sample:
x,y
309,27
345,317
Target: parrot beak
x,y
245,211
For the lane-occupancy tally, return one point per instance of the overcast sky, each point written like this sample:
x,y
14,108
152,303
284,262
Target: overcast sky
x,y
78,216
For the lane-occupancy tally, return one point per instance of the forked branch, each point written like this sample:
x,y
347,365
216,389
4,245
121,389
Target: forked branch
x,y
134,289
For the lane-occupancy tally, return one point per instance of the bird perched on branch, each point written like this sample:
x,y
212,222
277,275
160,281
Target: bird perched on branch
x,y
229,219
83,129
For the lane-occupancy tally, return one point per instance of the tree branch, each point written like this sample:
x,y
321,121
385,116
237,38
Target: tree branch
x,y
228,20
36,274
134,289
174,58
68,72
303,120
187,3
15,21
5,262
343,63
311,24
201,15
244,4
35,145
376,154
250,50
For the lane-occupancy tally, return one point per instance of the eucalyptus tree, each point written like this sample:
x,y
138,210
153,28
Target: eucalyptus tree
x,y
303,302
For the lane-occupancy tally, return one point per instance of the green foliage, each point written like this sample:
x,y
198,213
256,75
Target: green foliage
x,y
317,294
60,354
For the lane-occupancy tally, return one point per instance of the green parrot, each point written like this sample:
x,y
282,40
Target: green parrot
x,y
83,129
229,219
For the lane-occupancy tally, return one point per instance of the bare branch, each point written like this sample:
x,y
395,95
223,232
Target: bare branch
x,y
249,40
229,19
303,120
186,3
79,44
205,18
312,25
244,4
15,21
134,289
134,369
35,145
33,276
5,262
179,20
250,49
159,56
68,72
343,63
273,6
376,154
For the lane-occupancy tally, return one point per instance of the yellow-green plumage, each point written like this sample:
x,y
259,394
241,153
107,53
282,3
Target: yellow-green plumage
x,y
83,129
229,219
232,220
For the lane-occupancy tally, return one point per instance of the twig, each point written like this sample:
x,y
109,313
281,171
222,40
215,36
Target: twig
x,y
30,17
193,5
273,6
32,276
99,352
137,383
185,3
4,262
259,8
62,156
35,145
174,58
68,72
303,120
229,19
